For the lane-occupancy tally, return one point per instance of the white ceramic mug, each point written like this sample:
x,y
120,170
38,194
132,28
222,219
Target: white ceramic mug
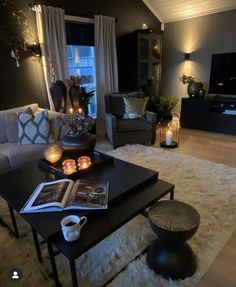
x,y
71,226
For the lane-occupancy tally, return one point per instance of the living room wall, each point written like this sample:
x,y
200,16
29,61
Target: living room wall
x,y
201,37
25,84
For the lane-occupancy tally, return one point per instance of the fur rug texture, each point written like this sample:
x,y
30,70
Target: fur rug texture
x,y
208,186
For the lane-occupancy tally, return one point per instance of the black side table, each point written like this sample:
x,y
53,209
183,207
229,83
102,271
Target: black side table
x,y
174,222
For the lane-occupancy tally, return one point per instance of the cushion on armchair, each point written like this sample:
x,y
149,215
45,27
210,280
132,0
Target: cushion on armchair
x,y
116,106
135,107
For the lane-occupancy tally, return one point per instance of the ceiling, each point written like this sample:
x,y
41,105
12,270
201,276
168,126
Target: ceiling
x,y
174,10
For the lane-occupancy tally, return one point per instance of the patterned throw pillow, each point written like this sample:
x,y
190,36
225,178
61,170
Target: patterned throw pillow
x,y
34,129
135,107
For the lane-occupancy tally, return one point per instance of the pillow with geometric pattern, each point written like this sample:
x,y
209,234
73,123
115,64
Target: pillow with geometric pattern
x,y
34,129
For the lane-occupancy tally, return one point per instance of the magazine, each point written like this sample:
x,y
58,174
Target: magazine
x,y
65,194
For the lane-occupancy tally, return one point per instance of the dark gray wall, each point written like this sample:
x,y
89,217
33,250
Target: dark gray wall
x,y
25,84
202,37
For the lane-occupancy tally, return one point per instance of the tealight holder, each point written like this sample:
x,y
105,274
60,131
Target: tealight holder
x,y
84,162
69,166
53,154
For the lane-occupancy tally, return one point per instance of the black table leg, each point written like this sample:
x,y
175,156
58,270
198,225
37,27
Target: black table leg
x,y
36,244
73,273
13,219
172,195
53,264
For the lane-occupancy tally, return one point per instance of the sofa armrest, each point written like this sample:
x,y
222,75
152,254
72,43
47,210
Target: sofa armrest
x,y
151,117
111,127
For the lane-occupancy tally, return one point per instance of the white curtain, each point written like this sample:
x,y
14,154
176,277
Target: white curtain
x,y
106,64
52,38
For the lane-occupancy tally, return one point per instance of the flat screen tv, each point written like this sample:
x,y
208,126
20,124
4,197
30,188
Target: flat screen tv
x,y
223,74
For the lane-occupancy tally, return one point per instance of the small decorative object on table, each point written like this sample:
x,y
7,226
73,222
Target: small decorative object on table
x,y
78,138
84,162
53,154
69,166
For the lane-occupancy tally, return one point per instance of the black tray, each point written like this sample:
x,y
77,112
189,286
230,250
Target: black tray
x,y
97,159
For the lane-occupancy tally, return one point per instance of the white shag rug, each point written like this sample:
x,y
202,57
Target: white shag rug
x,y
209,187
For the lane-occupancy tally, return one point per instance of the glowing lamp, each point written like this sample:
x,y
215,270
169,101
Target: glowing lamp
x,y
53,153
84,162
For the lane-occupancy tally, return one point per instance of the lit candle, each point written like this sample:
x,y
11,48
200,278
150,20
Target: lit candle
x,y
71,110
80,111
69,166
169,135
53,153
84,162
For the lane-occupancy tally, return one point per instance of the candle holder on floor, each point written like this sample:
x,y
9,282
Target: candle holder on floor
x,y
169,131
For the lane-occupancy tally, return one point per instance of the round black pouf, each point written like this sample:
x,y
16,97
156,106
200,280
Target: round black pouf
x,y
174,222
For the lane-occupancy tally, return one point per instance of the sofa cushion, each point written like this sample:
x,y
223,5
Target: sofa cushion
x,y
4,162
20,154
125,125
3,133
135,107
11,125
34,129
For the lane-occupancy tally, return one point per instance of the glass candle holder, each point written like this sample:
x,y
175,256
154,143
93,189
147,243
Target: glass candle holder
x,y
69,166
84,162
53,153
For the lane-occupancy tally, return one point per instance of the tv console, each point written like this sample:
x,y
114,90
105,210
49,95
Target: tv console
x,y
216,114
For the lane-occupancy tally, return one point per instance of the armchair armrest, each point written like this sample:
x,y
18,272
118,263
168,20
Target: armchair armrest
x,y
111,128
151,117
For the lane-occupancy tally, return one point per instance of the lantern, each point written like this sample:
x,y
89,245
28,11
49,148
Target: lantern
x,y
53,153
169,132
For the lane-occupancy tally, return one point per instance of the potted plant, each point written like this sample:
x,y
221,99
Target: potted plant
x,y
166,106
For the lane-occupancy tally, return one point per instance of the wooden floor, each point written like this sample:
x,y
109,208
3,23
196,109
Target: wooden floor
x,y
222,149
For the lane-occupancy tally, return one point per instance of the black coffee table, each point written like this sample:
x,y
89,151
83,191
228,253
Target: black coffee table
x,y
131,190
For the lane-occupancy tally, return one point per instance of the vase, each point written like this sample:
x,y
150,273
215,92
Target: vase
x,y
194,88
79,144
74,93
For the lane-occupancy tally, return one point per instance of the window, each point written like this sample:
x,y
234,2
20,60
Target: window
x,y
81,57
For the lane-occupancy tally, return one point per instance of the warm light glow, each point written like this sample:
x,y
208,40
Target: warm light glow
x,y
144,26
53,153
80,111
71,110
169,135
84,162
69,166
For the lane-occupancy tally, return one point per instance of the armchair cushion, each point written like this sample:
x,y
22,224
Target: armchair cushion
x,y
128,125
135,107
115,103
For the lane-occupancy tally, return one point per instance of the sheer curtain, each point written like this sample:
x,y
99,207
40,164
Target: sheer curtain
x,y
52,38
106,64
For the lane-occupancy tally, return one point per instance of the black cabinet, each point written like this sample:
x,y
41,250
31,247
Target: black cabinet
x,y
210,115
142,62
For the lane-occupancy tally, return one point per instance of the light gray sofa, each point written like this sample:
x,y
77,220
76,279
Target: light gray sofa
x,y
12,154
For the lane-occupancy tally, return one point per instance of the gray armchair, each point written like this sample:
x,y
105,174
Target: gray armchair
x,y
127,131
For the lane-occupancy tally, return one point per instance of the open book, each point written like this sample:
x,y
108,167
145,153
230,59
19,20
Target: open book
x,y
65,194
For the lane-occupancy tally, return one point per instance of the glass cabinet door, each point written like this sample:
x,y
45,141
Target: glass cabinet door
x,y
144,49
156,49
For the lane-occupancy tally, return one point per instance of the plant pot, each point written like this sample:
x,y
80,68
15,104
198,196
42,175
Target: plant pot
x,y
79,144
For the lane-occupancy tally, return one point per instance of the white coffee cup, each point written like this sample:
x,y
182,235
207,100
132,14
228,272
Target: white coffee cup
x,y
71,226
